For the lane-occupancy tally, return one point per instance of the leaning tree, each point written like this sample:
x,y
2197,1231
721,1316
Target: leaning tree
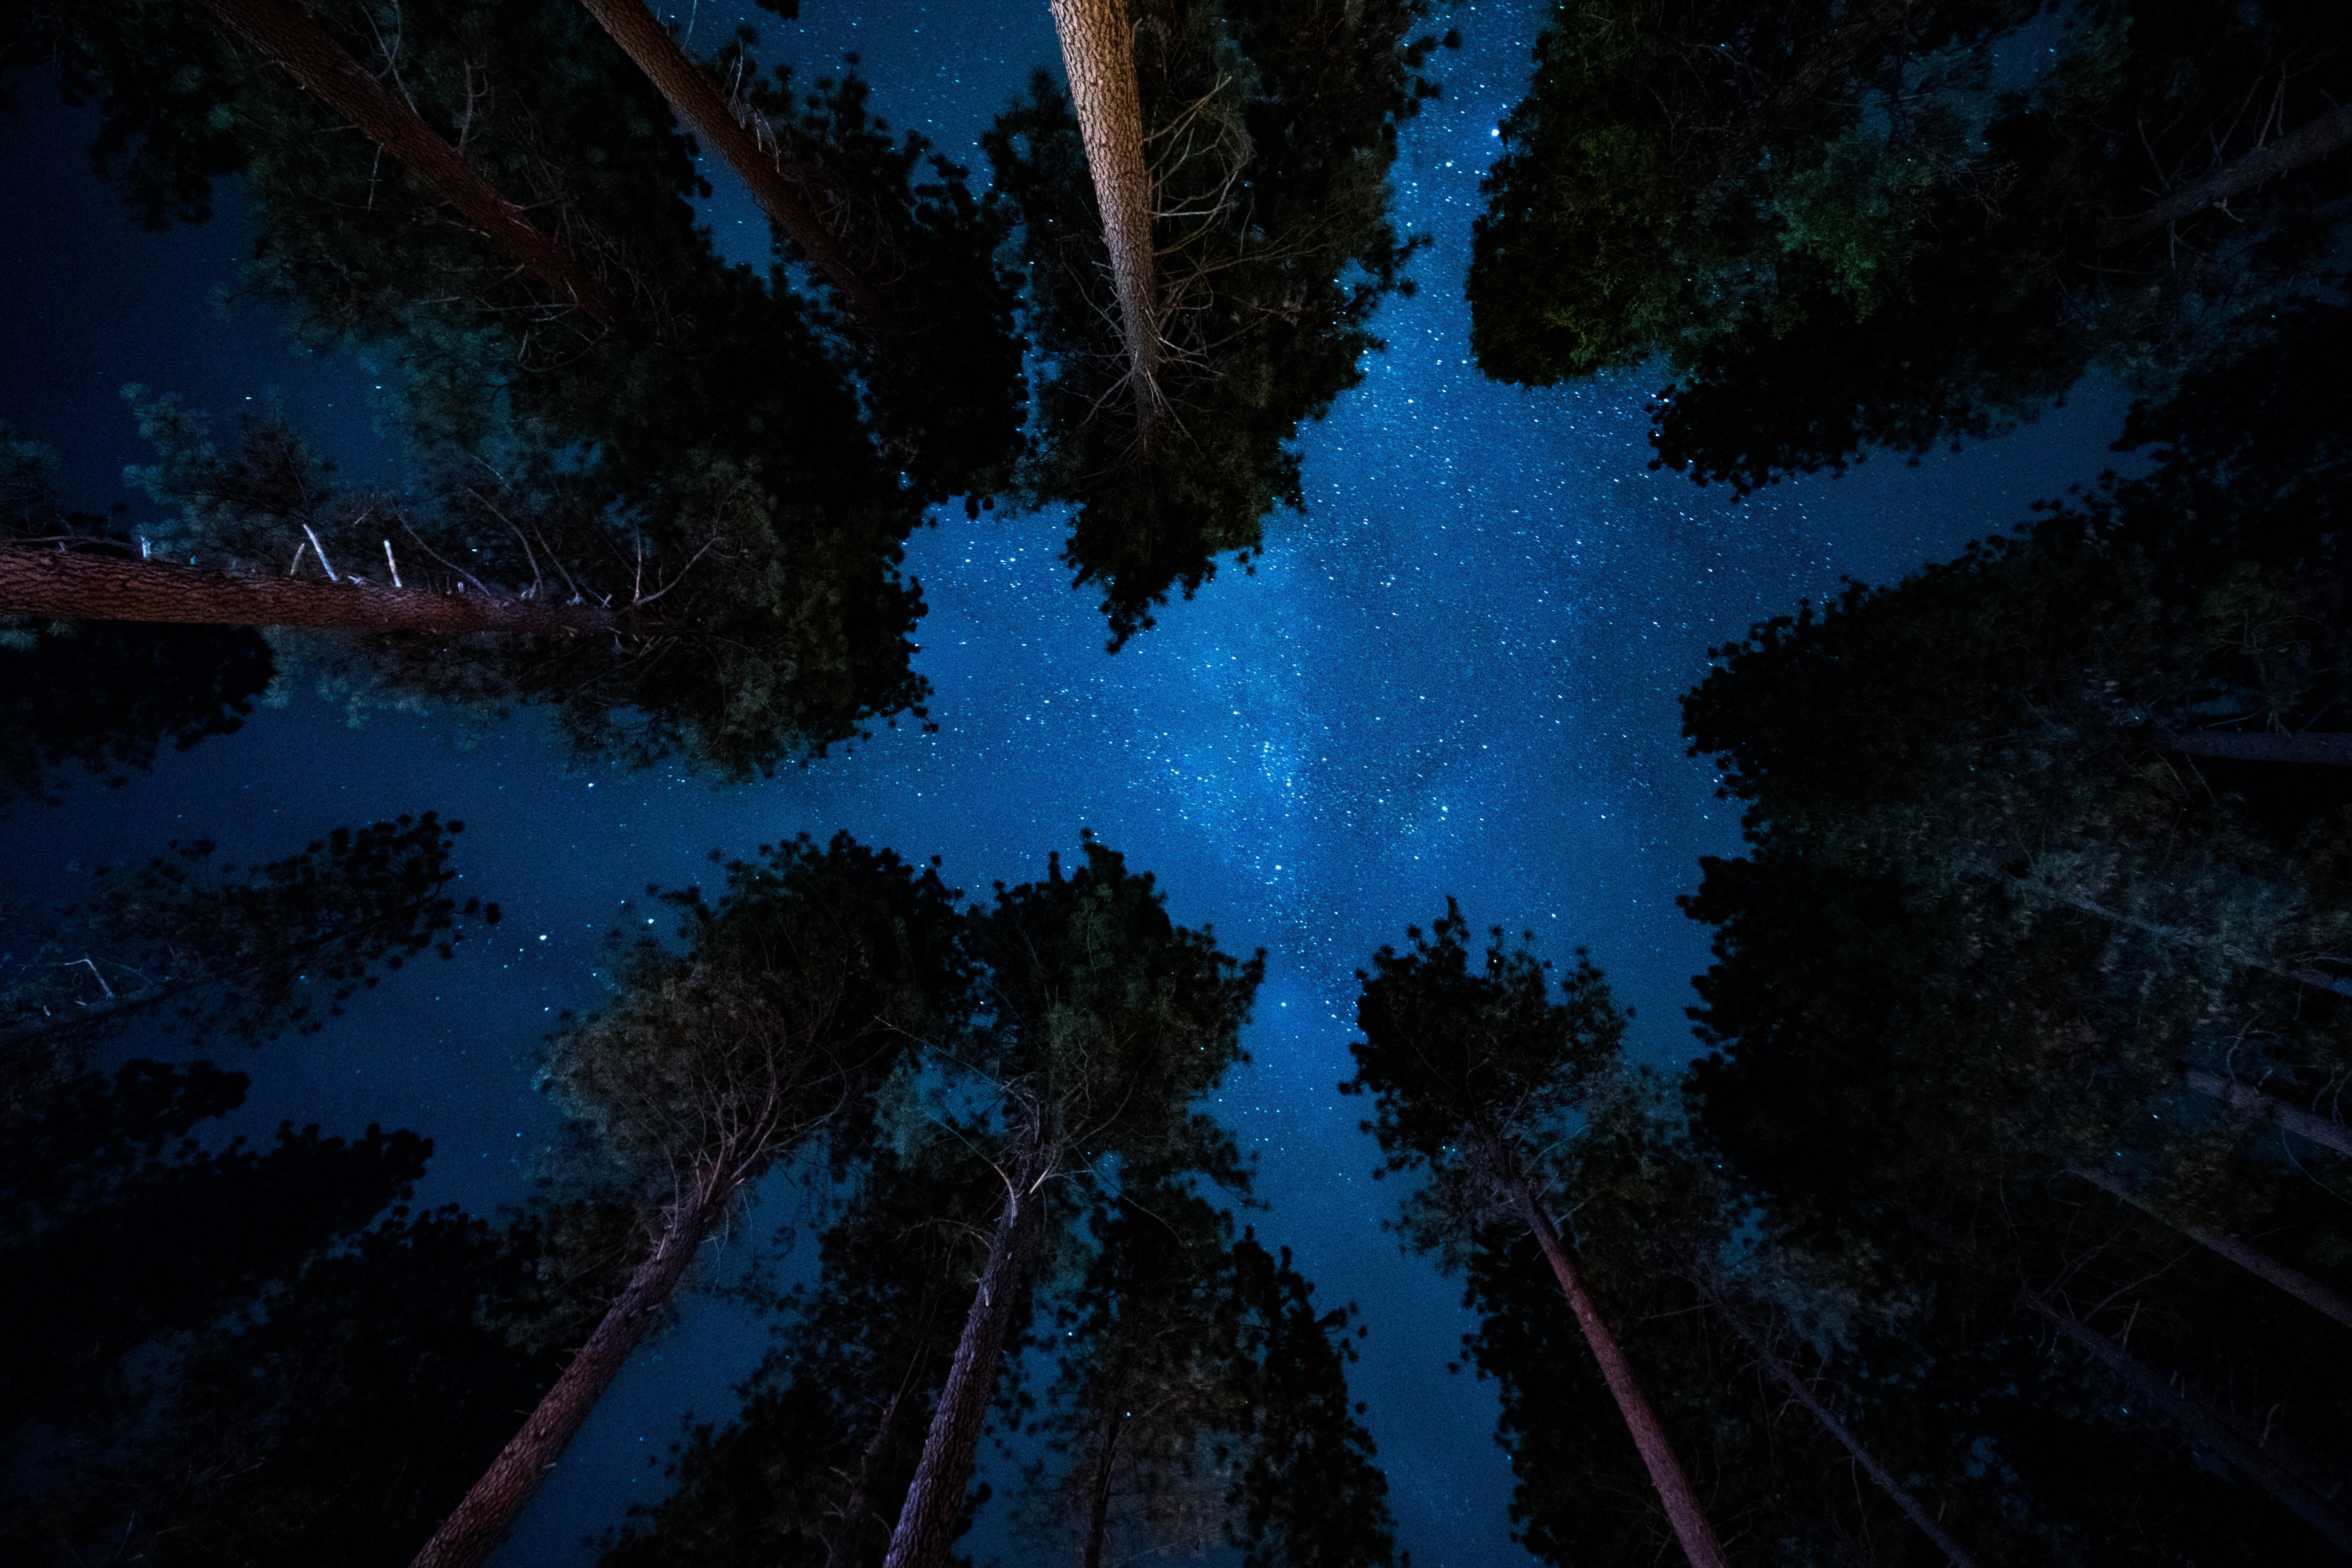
x,y
1479,1079
792,1007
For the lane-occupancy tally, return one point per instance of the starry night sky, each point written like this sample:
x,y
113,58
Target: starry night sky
x,y
1456,674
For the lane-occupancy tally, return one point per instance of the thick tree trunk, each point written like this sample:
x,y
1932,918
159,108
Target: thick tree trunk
x,y
2333,748
482,1520
2254,1261
704,110
283,32
1099,55
38,581
2314,139
1683,1508
2241,1450
2294,1118
927,1523
1803,1395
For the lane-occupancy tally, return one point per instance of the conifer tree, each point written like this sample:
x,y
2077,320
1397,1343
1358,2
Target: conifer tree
x,y
778,1025
1476,1079
1106,1023
1264,133
1843,228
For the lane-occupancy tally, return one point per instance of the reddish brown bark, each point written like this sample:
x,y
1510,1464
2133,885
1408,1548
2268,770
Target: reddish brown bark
x,y
35,581
281,31
1684,1511
707,112
2243,1453
934,1505
1098,56
2253,1260
2314,139
481,1521
2294,1118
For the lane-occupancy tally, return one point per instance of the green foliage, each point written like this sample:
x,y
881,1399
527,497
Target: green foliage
x,y
1851,238
1478,1078
1103,1023
1272,128
752,628
1987,914
132,1231
210,947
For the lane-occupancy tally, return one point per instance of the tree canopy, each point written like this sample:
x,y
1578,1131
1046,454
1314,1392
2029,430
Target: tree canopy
x,y
1866,225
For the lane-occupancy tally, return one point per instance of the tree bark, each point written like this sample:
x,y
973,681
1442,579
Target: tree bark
x,y
699,102
283,32
481,1521
36,580
2254,1261
1099,55
1099,1514
2294,1118
2333,748
1878,1473
1683,1508
2241,1450
2314,139
927,1523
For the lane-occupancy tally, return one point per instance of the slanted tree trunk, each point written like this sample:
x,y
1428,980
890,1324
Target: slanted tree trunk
x,y
1099,1513
2301,974
1684,1511
772,183
483,1518
38,581
2223,1437
1099,55
282,30
927,1522
2294,1118
2253,1260
1802,1393
2332,748
2314,139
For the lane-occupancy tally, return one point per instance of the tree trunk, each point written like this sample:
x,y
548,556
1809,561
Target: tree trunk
x,y
2241,1450
699,102
1099,55
36,580
2254,1261
280,30
2294,1118
481,1521
1878,1473
927,1523
2302,974
1683,1510
2314,139
1099,1514
2333,748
